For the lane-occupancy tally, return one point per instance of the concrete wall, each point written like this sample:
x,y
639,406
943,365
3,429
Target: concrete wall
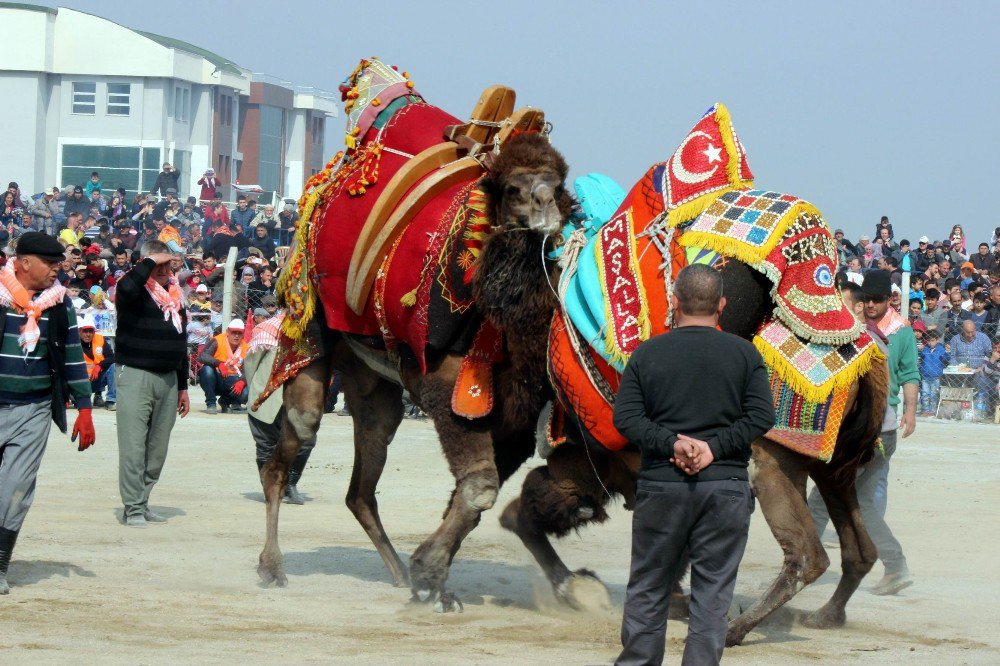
x,y
22,123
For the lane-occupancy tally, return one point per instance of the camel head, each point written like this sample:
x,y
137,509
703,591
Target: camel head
x,y
526,187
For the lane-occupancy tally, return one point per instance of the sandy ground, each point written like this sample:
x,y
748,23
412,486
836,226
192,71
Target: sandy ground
x,y
87,589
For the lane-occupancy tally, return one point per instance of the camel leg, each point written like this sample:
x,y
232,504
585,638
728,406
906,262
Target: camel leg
x,y
780,486
858,553
377,408
303,399
468,448
563,496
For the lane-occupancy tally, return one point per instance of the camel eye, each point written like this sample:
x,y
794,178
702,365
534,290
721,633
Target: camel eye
x,y
513,190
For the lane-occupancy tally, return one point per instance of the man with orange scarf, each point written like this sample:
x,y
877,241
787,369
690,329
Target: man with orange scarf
x,y
42,363
152,367
222,377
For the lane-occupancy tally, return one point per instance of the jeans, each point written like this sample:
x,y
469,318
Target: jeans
x,y
106,380
219,388
872,487
930,391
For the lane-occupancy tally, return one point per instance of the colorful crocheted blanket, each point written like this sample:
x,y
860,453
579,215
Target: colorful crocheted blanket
x,y
697,207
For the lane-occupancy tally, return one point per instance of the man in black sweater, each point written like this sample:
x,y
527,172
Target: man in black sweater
x,y
692,400
152,376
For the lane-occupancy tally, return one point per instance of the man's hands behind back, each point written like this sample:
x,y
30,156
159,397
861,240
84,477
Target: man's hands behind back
x,y
691,455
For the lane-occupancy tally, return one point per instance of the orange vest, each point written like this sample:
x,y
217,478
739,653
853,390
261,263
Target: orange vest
x,y
229,363
97,349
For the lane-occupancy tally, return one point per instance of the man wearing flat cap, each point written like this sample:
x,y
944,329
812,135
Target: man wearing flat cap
x,y
873,479
42,364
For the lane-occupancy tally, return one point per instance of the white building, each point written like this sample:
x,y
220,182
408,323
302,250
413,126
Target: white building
x,y
135,100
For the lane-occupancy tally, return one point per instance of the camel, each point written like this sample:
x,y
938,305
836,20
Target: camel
x,y
528,205
581,477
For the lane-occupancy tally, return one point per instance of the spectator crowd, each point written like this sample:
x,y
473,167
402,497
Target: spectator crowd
x,y
951,301
103,233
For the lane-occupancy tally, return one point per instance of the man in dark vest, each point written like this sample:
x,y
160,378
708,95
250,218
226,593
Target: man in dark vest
x,y
42,365
692,400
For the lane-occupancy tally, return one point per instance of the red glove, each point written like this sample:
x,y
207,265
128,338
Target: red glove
x,y
84,427
95,373
238,387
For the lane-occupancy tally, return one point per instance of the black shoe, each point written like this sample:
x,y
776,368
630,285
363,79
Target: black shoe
x,y
7,540
98,400
292,495
110,406
211,409
224,409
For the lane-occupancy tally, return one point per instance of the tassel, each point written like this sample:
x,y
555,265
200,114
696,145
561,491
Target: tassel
x,y
409,299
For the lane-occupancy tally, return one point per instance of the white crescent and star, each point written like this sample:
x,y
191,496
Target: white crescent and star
x,y
694,177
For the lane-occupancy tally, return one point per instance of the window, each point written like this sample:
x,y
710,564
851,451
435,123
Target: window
x,y
119,99
84,97
272,123
182,104
130,167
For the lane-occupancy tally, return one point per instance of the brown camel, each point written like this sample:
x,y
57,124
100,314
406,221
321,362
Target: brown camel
x,y
528,204
581,477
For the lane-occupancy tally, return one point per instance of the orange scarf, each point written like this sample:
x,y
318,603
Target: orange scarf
x,y
168,300
14,295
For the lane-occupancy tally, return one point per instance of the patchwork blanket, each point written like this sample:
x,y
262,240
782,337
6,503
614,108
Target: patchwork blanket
x,y
698,207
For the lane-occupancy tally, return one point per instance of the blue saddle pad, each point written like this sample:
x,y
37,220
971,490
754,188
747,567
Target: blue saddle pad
x,y
599,198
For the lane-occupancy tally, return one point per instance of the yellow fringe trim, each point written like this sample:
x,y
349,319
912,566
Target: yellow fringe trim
x,y
727,133
791,375
741,250
290,288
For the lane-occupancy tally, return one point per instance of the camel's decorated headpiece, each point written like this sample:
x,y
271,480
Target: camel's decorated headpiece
x,y
371,88
711,160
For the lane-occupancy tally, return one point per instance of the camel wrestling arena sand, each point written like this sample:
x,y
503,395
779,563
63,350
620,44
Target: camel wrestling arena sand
x,y
86,589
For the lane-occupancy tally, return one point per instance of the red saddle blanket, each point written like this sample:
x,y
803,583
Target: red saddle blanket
x,y
339,221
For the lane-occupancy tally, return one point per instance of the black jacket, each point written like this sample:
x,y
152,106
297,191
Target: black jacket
x,y
698,382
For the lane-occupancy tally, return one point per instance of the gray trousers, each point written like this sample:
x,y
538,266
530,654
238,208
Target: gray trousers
x,y
24,431
873,498
147,410
712,520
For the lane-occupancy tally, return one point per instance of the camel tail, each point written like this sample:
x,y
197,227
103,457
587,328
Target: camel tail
x,y
860,430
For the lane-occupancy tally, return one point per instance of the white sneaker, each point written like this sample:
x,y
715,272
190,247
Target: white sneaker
x,y
893,583
136,521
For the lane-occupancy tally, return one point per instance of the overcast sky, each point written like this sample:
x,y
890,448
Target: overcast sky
x,y
863,108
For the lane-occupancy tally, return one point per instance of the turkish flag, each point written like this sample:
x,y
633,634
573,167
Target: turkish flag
x,y
699,165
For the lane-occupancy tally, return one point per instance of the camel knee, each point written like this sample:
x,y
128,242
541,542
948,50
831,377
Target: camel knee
x,y
480,493
815,566
304,422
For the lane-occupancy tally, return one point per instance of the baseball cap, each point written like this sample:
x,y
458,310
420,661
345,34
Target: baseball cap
x,y
261,312
968,265
236,325
88,322
201,289
924,239
864,237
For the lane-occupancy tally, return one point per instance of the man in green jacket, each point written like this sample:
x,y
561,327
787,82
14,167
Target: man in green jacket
x,y
887,326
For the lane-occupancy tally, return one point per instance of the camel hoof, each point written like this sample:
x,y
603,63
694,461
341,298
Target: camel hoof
x,y
270,576
824,619
680,605
449,603
584,591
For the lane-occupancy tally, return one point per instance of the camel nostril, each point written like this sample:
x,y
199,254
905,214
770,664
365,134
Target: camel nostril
x,y
542,196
